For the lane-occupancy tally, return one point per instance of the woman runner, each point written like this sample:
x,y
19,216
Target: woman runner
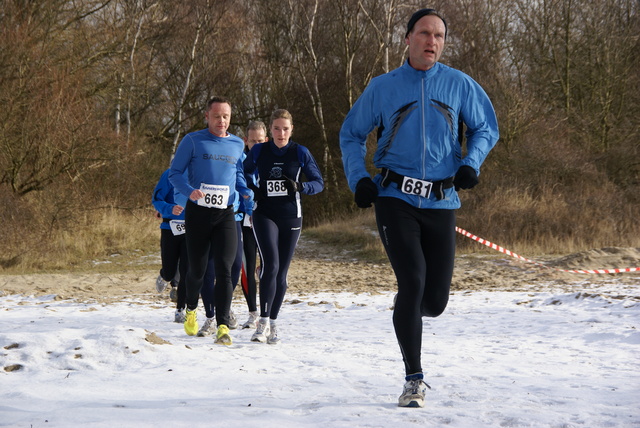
x,y
277,215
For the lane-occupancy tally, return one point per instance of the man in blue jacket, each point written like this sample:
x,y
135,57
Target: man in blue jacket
x,y
173,248
212,158
419,110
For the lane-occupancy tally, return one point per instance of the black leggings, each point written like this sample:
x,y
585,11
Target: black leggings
x,y
211,229
209,282
173,252
249,286
420,244
277,240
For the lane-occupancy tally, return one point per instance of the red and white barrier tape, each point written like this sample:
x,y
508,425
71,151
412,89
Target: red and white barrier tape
x,y
512,254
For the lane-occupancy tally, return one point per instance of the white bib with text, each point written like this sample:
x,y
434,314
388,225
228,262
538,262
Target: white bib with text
x,y
214,196
177,227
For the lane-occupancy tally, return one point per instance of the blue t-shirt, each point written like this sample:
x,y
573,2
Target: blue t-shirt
x,y
210,160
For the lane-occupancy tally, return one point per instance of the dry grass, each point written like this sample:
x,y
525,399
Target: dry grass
x,y
98,240
546,221
529,222
110,233
357,232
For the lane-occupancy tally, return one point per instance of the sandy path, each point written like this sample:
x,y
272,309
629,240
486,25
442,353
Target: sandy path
x,y
316,268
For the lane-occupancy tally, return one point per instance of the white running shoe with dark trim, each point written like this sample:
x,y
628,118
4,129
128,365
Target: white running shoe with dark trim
x,y
272,337
233,321
252,321
261,331
179,316
413,393
208,328
161,284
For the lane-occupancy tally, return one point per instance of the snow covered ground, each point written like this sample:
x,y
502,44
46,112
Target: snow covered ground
x,y
569,358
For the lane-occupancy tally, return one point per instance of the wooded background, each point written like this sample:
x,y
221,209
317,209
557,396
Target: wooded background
x,y
96,95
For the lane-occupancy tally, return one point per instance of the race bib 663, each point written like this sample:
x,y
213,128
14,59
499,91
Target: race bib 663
x,y
214,196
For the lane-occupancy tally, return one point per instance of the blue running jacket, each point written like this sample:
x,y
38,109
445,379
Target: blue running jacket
x,y
418,116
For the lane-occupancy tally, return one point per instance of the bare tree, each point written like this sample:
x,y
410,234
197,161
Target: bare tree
x,y
362,24
590,83
49,129
298,43
200,22
140,10
386,19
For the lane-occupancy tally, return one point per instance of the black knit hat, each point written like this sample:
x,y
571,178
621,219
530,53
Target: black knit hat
x,y
419,14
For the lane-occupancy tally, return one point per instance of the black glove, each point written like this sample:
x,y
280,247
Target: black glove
x,y
366,192
292,186
259,193
465,178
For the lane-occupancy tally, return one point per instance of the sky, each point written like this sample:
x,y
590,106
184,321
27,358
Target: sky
x,y
562,358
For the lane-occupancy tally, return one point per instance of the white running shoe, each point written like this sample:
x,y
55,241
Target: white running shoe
x,y
272,337
179,317
161,284
252,321
233,321
261,331
208,328
413,393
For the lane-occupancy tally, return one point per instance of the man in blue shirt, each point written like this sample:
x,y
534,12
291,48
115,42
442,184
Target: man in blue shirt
x,y
215,178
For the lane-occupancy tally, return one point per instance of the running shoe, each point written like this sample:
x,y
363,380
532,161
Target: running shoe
x,y
173,294
413,393
179,317
233,321
208,328
161,284
191,322
261,331
222,336
252,321
272,337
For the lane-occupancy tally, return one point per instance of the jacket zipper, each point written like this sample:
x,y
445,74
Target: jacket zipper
x,y
423,137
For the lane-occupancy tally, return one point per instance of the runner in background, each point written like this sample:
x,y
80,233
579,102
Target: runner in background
x,y
277,216
241,206
213,159
173,247
256,133
209,282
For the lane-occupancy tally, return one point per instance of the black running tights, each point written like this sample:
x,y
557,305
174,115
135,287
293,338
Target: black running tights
x,y
173,252
249,285
420,244
277,240
211,229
